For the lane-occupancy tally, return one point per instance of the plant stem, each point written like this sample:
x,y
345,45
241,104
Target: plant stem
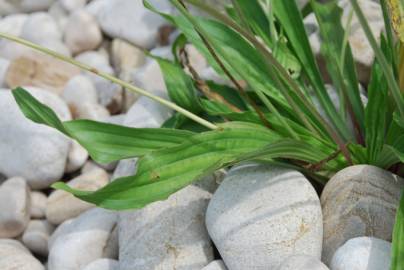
x,y
111,78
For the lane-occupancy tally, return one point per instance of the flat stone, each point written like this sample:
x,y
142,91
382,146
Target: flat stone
x,y
14,207
260,215
359,201
62,205
362,253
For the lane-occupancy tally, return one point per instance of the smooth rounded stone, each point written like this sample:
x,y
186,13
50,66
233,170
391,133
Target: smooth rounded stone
x,y
40,26
89,166
168,234
125,56
114,18
36,152
362,253
92,111
82,240
77,91
72,5
38,204
215,265
359,201
103,264
14,207
40,70
302,262
260,215
13,24
76,158
36,236
116,119
59,14
109,94
23,6
62,206
13,256
150,77
82,32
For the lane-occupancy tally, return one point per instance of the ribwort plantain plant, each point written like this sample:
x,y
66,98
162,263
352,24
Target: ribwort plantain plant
x,y
267,114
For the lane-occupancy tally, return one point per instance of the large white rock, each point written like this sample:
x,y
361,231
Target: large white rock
x,y
302,262
169,234
81,241
15,256
130,20
260,215
82,32
36,152
14,207
62,206
362,253
103,264
215,265
40,27
36,236
359,201
38,204
23,6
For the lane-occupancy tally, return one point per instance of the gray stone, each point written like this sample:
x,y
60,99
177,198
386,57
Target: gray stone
x,y
215,265
362,253
36,236
302,262
260,215
359,201
15,256
81,241
103,264
169,234
14,207
36,152
62,206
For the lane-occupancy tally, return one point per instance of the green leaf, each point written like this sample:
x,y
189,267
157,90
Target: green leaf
x,y
104,142
291,21
397,260
180,86
163,172
375,118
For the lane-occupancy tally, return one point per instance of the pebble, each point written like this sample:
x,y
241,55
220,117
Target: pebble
x,y
4,64
92,111
38,204
359,201
72,5
9,7
79,90
40,27
36,236
76,158
125,56
103,264
14,207
40,160
260,215
62,206
81,241
362,253
302,262
82,32
13,256
114,18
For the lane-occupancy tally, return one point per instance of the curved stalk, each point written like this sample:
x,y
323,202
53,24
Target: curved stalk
x,y
111,78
